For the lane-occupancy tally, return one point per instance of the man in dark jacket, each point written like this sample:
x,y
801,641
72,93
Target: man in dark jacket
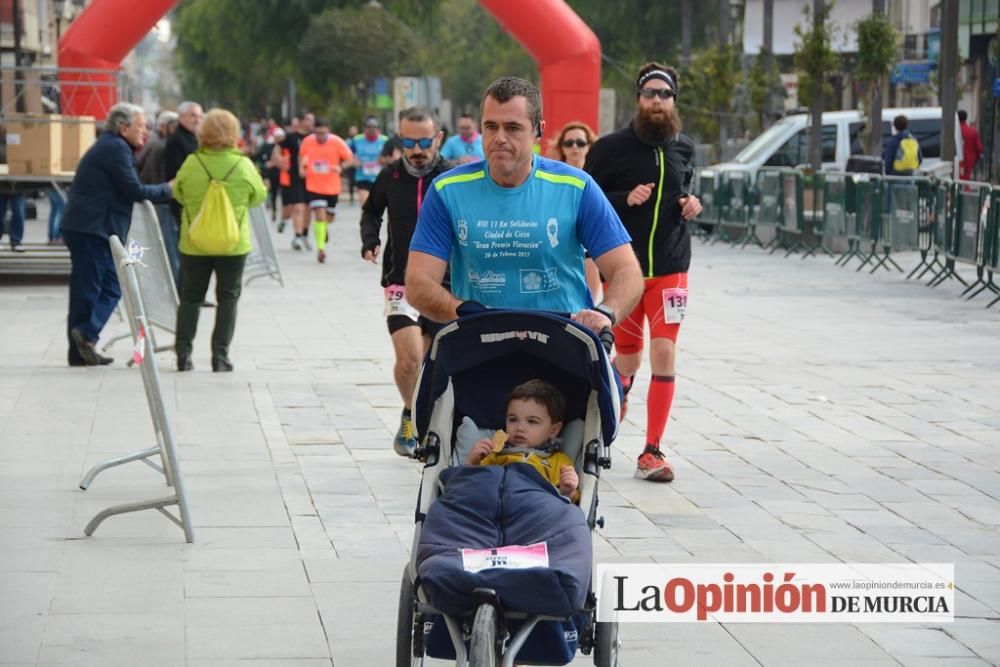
x,y
644,170
153,169
182,142
101,197
400,188
151,159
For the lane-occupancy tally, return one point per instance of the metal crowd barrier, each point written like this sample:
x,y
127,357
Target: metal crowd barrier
x,y
947,222
144,356
975,233
154,275
705,189
734,206
263,260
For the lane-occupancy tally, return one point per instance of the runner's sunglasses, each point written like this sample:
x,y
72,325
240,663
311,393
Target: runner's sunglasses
x,y
424,143
569,143
650,93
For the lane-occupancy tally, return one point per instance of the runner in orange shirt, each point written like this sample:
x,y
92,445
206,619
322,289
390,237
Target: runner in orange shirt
x,y
322,157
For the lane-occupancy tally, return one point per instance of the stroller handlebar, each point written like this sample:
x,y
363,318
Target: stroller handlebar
x,y
606,335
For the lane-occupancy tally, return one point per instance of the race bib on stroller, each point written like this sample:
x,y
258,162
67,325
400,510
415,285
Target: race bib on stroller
x,y
511,558
396,303
675,301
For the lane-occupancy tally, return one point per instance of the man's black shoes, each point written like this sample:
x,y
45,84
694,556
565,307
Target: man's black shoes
x,y
89,356
221,365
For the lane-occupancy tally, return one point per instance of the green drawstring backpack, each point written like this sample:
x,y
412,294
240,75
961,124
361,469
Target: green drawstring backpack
x,y
214,229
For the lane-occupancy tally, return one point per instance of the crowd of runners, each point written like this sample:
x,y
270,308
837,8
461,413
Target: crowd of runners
x,y
624,196
601,222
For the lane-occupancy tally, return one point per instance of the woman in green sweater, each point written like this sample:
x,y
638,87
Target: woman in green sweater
x,y
216,158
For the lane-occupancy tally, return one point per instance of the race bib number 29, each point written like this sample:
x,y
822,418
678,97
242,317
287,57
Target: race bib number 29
x,y
675,301
396,303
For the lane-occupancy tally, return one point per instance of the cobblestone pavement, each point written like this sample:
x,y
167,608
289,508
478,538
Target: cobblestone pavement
x,y
822,416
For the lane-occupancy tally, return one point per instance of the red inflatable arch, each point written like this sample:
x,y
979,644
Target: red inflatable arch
x,y
566,50
99,39
568,54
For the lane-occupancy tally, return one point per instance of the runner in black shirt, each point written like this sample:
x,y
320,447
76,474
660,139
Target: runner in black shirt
x,y
400,188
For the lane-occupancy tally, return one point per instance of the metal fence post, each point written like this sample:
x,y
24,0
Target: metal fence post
x,y
145,357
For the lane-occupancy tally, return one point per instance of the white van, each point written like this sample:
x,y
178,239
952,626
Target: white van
x,y
786,143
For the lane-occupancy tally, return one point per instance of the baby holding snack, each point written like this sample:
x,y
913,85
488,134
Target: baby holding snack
x,y
535,414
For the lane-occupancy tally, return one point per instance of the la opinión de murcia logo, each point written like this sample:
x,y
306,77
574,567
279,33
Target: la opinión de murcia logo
x,y
771,593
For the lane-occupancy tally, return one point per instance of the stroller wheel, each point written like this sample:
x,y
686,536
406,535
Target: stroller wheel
x,y
409,627
484,649
606,645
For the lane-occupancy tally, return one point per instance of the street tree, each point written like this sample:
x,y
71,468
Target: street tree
x,y
347,49
878,44
815,61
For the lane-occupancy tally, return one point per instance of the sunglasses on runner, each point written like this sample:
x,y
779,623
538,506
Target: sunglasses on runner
x,y
650,93
569,143
424,143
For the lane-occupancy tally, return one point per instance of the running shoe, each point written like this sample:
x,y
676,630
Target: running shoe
x,y
296,243
321,256
281,226
653,467
404,443
306,243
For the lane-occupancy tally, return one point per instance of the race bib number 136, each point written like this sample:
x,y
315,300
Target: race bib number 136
x,y
675,301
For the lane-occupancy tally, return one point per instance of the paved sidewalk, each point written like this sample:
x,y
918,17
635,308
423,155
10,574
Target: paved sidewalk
x,y
822,416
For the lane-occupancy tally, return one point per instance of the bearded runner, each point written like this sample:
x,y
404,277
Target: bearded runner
x,y
645,170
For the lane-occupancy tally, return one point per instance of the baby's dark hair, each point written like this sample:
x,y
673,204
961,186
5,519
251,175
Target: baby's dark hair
x,y
542,393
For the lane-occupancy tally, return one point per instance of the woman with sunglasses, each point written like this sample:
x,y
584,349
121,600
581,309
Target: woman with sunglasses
x,y
571,146
573,143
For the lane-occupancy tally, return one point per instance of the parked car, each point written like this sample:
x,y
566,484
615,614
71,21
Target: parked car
x,y
786,143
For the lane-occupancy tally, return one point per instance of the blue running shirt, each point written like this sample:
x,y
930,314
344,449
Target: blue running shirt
x,y
455,148
368,153
518,247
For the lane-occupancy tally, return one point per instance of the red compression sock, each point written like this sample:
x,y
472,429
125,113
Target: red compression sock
x,y
658,401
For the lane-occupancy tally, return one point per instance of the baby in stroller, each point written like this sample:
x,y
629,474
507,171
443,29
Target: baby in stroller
x,y
502,556
535,414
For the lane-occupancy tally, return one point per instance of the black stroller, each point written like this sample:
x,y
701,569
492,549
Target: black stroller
x,y
475,605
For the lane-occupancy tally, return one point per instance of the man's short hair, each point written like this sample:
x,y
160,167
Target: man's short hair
x,y
652,67
166,117
417,115
120,115
542,393
466,115
506,88
320,122
300,115
900,122
186,106
962,115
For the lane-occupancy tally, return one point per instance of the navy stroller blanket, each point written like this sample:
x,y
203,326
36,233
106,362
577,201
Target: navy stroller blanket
x,y
487,507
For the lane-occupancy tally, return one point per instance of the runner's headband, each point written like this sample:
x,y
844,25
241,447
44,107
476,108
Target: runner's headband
x,y
657,74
